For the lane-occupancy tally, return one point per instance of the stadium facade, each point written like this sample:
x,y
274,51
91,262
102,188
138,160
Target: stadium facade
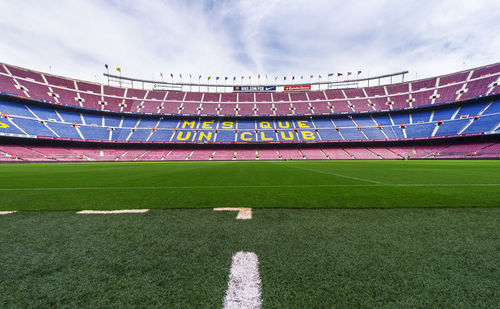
x,y
52,118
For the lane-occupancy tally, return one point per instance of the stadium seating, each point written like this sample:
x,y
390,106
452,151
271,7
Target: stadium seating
x,y
42,121
12,153
64,91
39,106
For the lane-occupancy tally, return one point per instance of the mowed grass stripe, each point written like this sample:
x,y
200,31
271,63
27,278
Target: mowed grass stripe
x,y
267,186
249,184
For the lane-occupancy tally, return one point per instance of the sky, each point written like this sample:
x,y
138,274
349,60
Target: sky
x,y
76,38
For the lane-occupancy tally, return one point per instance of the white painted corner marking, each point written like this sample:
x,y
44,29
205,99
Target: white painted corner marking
x,y
107,212
243,213
244,285
7,212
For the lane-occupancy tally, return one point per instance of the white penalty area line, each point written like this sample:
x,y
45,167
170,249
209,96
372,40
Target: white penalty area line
x,y
243,213
8,212
244,285
107,212
333,174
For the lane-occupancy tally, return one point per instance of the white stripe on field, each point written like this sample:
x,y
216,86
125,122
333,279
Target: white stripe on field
x,y
259,186
107,212
7,212
244,285
243,213
333,174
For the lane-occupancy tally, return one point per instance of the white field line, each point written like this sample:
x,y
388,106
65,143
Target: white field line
x,y
243,213
107,212
333,174
244,285
258,186
8,212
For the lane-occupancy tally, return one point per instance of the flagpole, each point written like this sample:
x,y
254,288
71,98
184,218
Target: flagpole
x,y
107,69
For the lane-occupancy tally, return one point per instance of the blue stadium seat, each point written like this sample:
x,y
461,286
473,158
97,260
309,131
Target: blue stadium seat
x,y
33,127
70,117
94,133
44,113
15,109
161,136
64,130
451,127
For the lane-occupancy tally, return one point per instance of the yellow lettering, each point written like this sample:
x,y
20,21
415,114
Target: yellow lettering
x,y
3,125
264,138
283,126
308,135
227,125
188,123
207,124
180,138
287,138
242,136
303,124
206,135
265,125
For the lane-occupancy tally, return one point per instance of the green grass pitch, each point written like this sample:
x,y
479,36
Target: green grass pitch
x,y
337,184
335,234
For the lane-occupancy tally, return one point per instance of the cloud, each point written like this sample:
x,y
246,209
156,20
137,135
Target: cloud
x,y
234,38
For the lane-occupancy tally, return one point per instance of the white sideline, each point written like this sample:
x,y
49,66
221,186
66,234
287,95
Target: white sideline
x,y
243,213
7,212
106,212
244,285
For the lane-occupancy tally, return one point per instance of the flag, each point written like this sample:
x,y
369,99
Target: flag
x,y
284,77
208,78
330,74
339,74
234,78
190,76
259,76
106,66
349,73
311,76
249,77
217,78
359,72
319,76
275,78
301,77
171,75
225,78
161,74
180,76
119,70
199,77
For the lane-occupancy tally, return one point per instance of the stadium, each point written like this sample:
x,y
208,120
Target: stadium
x,y
249,191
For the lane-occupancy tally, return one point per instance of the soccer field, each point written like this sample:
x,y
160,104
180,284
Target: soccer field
x,y
437,247
312,258
292,184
